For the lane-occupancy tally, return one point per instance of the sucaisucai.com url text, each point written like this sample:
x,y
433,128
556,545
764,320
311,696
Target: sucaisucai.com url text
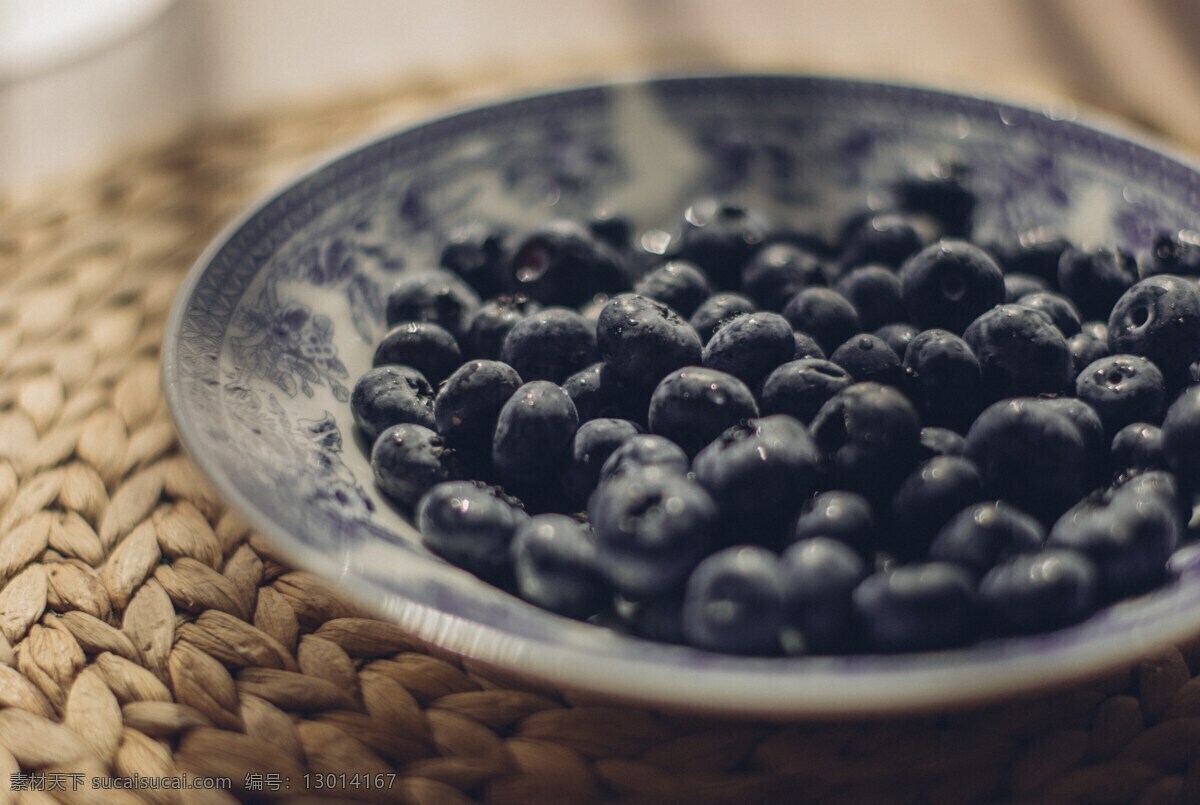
x,y
176,782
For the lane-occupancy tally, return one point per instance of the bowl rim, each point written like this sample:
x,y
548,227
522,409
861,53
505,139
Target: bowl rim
x,y
906,684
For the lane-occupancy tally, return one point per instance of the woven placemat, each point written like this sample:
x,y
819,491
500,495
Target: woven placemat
x,y
146,634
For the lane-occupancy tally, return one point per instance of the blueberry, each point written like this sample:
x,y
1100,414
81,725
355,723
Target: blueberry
x,y
806,346
678,285
945,379
824,314
437,296
643,341
1181,438
424,346
717,309
1086,349
1136,447
1175,253
532,446
869,358
408,460
1036,251
927,499
1159,319
651,527
750,346
734,602
780,271
819,577
388,395
1018,285
942,193
1129,538
1020,353
799,388
937,441
644,450
612,229
980,536
694,405
917,608
594,442
597,392
478,253
1096,278
888,238
870,437
472,525
490,325
1009,443
875,292
898,336
551,344
561,263
720,239
840,515
1059,308
1123,389
949,284
1090,427
554,563
759,472
1039,592
469,403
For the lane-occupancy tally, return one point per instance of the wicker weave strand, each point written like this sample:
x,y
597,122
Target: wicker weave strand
x,y
145,631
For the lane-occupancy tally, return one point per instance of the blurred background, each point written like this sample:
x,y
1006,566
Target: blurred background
x,y
81,80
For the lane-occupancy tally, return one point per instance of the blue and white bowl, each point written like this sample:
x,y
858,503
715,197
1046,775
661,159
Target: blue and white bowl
x,y
281,314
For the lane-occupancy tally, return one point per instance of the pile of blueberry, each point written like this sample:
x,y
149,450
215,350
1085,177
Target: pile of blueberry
x,y
760,441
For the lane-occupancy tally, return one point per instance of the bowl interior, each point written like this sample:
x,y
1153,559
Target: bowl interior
x,y
281,315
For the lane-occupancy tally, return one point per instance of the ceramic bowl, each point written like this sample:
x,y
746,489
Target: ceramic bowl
x,y
280,316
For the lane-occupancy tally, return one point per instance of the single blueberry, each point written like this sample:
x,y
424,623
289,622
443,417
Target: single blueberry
x,y
678,285
1175,253
694,405
408,460
1137,447
1091,429
435,295
1086,349
819,577
876,293
982,535
1096,278
888,238
720,239
870,437
1018,285
469,403
651,528
478,253
734,602
825,315
472,525
642,341
1039,592
869,358
898,336
554,565
561,263
940,192
780,271
950,284
1181,438
388,395
927,499
937,441
1021,353
1010,442
917,607
759,473
1123,389
551,344
799,388
532,446
1059,308
1159,319
837,514
644,450
1036,250
490,325
597,392
424,346
750,346
716,310
594,443
945,379
806,346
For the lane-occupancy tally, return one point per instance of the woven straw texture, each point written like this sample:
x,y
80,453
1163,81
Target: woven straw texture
x,y
145,631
